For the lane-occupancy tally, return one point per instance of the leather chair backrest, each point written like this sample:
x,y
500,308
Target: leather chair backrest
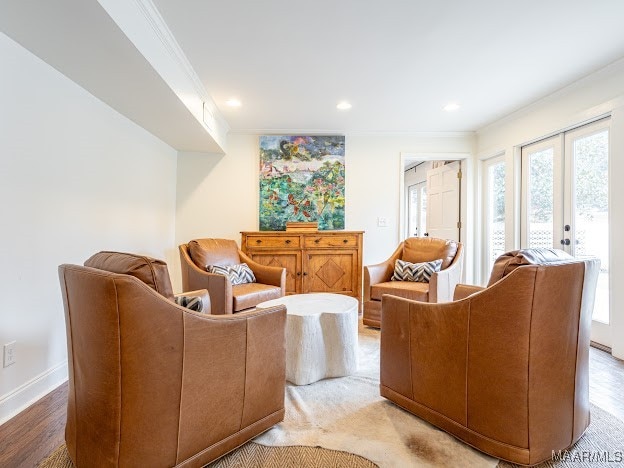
x,y
426,249
213,252
151,271
509,261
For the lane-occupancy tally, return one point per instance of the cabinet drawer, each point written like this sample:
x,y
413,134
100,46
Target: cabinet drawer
x,y
348,240
254,242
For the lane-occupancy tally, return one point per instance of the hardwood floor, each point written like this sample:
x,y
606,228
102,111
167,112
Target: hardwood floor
x,y
32,435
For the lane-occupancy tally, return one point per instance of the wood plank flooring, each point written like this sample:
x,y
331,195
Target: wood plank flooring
x,y
32,435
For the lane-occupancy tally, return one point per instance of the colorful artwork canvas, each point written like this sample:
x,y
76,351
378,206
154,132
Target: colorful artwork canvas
x,y
302,178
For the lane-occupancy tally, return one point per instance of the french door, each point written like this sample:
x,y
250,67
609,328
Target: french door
x,y
565,203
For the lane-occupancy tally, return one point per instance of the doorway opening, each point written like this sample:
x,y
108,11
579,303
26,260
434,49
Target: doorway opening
x,y
432,195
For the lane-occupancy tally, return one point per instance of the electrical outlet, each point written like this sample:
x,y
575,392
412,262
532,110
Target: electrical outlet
x,y
382,221
9,354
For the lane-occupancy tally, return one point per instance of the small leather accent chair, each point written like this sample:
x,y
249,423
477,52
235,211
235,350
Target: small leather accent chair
x,y
414,250
227,298
506,369
154,384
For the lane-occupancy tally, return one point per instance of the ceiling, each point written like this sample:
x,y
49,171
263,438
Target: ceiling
x,y
398,62
290,62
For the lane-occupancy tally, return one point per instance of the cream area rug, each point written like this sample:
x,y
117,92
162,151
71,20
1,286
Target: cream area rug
x,y
348,414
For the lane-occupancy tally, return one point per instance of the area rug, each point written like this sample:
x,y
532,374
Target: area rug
x,y
348,414
255,456
344,422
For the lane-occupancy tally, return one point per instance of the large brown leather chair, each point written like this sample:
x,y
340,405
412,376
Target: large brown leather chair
x,y
506,368
414,250
154,384
225,297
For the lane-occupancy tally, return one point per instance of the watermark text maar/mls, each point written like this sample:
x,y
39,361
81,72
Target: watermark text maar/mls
x,y
592,456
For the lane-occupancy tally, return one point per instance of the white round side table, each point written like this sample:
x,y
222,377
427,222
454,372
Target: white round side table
x,y
321,336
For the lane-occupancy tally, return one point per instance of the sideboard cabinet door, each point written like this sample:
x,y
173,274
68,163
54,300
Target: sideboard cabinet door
x,y
315,261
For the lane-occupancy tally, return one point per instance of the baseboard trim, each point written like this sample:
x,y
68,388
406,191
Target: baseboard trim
x,y
601,347
29,392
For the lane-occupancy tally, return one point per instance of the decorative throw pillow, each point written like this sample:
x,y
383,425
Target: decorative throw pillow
x,y
238,274
190,302
418,272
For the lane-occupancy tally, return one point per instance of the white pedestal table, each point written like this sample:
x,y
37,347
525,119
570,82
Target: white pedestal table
x,y
321,336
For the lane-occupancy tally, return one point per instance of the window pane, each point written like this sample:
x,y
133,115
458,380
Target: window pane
x,y
496,211
541,178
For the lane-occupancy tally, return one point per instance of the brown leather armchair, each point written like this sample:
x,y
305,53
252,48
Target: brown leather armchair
x,y
225,297
506,368
155,384
414,250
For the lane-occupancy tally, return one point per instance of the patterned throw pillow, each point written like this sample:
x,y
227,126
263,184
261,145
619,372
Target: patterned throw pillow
x,y
238,274
190,302
418,272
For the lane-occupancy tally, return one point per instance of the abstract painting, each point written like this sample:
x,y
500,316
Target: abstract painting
x,y
302,178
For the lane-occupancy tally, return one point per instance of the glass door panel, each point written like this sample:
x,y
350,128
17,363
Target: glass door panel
x,y
542,201
588,155
417,210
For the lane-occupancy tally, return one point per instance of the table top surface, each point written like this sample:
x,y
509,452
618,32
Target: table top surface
x,y
314,303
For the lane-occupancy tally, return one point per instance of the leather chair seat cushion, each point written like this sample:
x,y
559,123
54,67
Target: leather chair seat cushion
x,y
221,252
406,289
509,261
151,271
427,249
250,294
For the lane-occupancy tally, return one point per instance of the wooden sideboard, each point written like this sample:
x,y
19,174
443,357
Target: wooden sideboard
x,y
315,261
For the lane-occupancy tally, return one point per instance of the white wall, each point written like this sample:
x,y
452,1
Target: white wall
x,y
218,194
76,177
598,94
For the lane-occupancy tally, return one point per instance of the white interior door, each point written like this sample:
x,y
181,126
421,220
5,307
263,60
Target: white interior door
x,y
565,193
443,199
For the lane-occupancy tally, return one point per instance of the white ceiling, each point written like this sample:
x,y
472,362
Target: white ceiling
x,y
290,61
397,61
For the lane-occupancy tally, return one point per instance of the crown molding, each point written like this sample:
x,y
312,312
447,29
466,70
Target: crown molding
x,y
295,131
171,45
144,26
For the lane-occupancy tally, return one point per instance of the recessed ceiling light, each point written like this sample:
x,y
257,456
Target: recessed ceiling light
x,y
233,102
343,105
451,106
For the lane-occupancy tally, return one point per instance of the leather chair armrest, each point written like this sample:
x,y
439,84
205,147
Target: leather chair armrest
x,y
274,276
203,295
462,291
380,273
442,283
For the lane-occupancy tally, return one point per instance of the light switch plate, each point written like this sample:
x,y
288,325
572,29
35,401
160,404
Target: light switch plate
x,y
382,221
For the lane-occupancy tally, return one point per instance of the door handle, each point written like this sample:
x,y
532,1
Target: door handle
x,y
565,241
